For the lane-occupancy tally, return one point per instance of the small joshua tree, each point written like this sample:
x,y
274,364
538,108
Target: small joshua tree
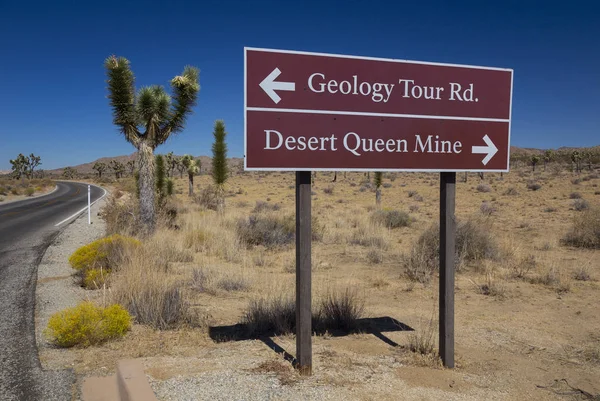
x,y
19,166
69,173
548,157
535,159
378,182
192,169
131,167
219,161
100,168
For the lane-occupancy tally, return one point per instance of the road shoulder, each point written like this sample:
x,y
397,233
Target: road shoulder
x,y
55,289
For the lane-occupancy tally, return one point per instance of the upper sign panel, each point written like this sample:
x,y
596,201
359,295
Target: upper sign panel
x,y
304,81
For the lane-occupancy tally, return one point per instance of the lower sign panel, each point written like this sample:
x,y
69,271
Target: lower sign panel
x,y
300,141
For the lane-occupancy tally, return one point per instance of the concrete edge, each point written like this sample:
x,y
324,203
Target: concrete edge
x,y
132,382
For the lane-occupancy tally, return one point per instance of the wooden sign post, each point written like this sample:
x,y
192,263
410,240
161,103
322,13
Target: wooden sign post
x,y
303,273
447,250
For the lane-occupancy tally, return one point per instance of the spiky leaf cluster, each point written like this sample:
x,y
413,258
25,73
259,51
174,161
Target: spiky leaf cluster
x,y
219,151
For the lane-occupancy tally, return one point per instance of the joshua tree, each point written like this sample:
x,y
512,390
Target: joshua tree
x,y
535,159
576,158
69,173
170,164
378,181
32,162
219,160
19,166
548,157
148,119
118,168
192,169
131,167
100,168
180,166
163,185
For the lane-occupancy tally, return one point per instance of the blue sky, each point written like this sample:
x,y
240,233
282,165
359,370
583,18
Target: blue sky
x,y
52,81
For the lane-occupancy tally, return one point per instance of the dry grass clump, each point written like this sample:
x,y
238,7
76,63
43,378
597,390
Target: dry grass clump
x,y
580,205
522,267
276,315
391,218
369,236
511,192
329,190
483,188
582,273
269,316
208,197
262,206
574,195
270,230
151,294
553,277
585,232
473,242
375,256
121,215
339,311
233,283
491,286
533,186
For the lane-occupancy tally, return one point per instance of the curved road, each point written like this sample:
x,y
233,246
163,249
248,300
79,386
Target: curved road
x,y
26,229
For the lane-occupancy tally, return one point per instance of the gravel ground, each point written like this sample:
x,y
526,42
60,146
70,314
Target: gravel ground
x,y
56,289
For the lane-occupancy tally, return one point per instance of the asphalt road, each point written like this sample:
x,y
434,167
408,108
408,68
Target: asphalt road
x,y
26,229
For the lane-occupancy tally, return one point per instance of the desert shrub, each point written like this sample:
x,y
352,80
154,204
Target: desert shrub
x,y
120,216
262,206
195,239
483,188
422,341
87,324
576,181
15,191
94,279
473,242
199,280
29,191
553,277
533,186
412,193
574,195
413,208
391,218
491,287
521,268
329,190
585,232
550,210
580,205
511,192
106,252
95,261
387,185
268,230
268,316
486,209
374,256
368,238
582,273
233,283
208,197
3,191
339,310
1,199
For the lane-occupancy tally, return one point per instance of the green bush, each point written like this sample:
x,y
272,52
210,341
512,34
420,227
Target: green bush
x,y
87,324
29,191
391,218
106,254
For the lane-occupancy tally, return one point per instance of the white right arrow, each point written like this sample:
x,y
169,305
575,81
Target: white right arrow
x,y
490,149
269,85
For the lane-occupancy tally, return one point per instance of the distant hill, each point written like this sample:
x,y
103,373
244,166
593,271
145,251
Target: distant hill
x,y
87,168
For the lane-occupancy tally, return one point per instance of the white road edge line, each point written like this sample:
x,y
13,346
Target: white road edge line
x,y
82,210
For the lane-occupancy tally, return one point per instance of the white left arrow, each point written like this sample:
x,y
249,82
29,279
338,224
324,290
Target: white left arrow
x,y
269,85
490,150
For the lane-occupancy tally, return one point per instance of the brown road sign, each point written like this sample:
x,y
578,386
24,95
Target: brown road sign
x,y
308,111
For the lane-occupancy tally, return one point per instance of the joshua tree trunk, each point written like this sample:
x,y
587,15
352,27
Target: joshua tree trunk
x,y
334,176
191,183
146,182
378,197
